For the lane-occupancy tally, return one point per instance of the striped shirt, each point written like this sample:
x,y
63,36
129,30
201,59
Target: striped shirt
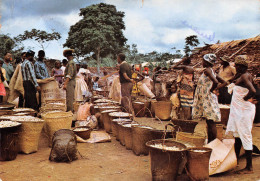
x,y
41,70
28,72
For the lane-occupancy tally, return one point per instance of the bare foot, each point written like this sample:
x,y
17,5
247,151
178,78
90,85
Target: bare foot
x,y
245,171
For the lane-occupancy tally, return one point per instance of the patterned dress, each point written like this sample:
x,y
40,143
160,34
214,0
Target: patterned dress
x,y
205,104
186,90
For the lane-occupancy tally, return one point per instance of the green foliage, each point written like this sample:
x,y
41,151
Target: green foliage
x,y
99,32
40,36
8,44
190,42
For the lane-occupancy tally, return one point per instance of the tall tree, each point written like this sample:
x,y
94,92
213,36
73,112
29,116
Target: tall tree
x,y
99,32
8,44
42,37
190,42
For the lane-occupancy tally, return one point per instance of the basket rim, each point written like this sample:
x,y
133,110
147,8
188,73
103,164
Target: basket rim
x,y
148,144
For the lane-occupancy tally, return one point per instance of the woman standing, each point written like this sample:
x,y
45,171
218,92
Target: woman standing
x,y
81,89
57,73
205,103
242,112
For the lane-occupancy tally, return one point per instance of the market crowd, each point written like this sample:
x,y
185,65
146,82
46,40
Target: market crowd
x,y
230,84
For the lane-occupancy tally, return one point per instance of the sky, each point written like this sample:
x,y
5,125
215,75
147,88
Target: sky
x,y
154,25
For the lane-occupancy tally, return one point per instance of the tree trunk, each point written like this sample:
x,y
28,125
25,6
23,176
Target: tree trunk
x,y
98,60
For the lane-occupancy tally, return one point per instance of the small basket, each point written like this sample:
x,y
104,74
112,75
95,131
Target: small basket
x,y
198,141
85,134
163,109
56,121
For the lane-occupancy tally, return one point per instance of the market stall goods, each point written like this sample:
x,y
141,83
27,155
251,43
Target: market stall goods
x,y
9,133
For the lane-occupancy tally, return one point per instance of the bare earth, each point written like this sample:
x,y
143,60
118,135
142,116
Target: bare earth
x,y
102,161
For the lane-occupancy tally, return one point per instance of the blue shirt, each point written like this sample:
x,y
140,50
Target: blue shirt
x,y
28,72
41,70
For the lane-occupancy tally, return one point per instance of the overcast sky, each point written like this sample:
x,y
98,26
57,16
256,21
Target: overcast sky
x,y
151,24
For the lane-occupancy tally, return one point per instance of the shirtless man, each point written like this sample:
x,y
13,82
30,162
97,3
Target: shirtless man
x,y
242,112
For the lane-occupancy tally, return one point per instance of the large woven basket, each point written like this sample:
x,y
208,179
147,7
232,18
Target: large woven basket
x,y
29,135
187,126
198,141
163,109
56,121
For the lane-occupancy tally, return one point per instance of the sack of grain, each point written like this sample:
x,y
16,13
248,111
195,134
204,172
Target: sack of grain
x,y
64,146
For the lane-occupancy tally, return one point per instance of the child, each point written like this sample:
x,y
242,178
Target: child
x,y
175,102
95,83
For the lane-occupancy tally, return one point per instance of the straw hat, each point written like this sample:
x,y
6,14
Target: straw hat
x,y
68,52
225,58
211,58
241,60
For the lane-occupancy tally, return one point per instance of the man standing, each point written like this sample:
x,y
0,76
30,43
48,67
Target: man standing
x,y
186,87
8,66
70,76
29,81
40,67
226,72
126,82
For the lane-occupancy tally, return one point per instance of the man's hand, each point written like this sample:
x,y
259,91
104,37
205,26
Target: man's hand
x,y
38,88
132,80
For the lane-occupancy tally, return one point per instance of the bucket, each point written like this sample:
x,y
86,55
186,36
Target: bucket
x,y
187,126
9,142
141,135
140,108
55,121
165,163
198,163
106,120
163,109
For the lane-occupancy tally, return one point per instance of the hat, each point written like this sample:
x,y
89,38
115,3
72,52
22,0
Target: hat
x,y
241,60
211,58
68,52
225,58
30,53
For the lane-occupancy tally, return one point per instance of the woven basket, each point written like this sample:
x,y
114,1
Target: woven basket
x,y
198,141
163,109
106,120
121,130
140,108
56,121
140,135
29,135
187,126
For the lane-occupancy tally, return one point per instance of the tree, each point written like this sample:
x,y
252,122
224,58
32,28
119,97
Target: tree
x,y
8,44
99,32
40,36
190,42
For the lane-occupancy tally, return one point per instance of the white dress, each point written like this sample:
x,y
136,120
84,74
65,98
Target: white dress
x,y
81,88
241,117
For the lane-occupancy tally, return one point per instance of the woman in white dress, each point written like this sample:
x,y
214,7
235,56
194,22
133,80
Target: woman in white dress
x,y
81,89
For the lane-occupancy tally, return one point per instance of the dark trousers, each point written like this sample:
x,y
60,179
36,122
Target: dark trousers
x,y
126,90
21,100
30,95
70,94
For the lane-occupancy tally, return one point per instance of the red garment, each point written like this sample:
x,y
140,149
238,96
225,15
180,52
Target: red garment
x,y
2,89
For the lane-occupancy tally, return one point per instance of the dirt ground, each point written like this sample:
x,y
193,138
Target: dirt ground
x,y
102,161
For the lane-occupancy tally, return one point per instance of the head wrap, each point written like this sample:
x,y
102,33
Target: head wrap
x,y
68,52
211,58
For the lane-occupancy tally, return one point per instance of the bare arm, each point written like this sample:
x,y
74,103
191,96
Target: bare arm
x,y
223,82
208,72
246,79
